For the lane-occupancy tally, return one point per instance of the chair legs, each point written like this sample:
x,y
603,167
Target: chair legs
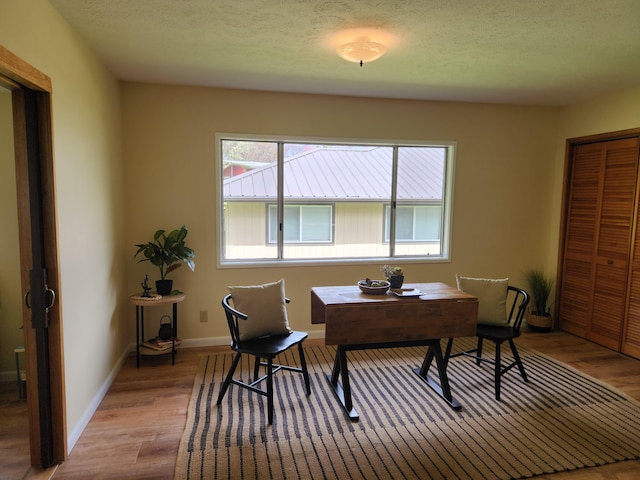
x,y
256,368
270,390
271,369
498,368
497,373
303,367
229,378
514,350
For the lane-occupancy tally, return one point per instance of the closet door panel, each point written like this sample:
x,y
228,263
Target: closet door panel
x,y
631,335
583,202
576,296
608,305
580,240
631,328
614,242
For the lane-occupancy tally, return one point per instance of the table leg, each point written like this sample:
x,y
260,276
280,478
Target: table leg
x,y
444,390
175,333
138,307
343,392
335,373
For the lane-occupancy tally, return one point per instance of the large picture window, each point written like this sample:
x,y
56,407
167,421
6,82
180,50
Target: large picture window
x,y
298,201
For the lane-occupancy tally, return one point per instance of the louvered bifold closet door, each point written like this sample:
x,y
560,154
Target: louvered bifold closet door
x,y
598,240
631,326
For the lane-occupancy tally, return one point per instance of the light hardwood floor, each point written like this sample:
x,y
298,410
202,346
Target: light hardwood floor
x,y
14,436
136,431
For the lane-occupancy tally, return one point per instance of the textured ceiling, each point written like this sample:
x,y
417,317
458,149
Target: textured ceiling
x,y
546,52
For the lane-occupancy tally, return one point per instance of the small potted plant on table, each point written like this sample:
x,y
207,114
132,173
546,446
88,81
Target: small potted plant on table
x,y
166,252
395,275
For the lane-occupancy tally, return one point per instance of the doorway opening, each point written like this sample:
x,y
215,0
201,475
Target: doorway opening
x,y
39,272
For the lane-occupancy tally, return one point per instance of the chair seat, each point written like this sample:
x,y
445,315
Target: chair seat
x,y
271,346
497,333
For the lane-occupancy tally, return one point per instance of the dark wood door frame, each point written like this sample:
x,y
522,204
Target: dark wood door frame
x,y
31,91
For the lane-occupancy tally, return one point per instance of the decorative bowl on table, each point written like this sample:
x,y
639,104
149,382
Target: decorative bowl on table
x,y
374,287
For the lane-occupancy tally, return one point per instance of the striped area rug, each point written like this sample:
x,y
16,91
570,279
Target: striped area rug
x,y
561,420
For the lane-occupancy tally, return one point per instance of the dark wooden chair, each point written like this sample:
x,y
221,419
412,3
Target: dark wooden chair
x,y
264,348
519,299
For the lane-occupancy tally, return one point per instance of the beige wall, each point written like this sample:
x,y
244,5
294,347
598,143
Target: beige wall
x,y
502,197
607,113
89,199
10,294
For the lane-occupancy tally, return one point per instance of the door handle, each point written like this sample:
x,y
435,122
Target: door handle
x,y
50,294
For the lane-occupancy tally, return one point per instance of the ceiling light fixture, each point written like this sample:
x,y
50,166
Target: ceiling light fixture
x,y
361,50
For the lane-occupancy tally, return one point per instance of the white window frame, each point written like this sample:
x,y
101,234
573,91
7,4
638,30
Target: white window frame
x,y
446,204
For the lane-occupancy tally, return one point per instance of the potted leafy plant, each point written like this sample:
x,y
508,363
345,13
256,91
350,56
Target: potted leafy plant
x,y
395,275
540,314
167,252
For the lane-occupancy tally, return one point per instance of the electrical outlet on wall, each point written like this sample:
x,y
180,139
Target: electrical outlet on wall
x,y
204,316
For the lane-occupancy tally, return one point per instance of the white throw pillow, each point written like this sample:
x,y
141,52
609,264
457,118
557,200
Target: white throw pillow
x,y
492,298
265,308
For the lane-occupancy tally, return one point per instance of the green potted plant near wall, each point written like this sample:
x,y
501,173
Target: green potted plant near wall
x,y
540,318
167,252
395,275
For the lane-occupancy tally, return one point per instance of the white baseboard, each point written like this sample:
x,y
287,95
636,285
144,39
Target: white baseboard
x,y
74,435
205,342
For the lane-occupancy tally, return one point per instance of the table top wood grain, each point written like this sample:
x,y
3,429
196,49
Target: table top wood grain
x,y
352,317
